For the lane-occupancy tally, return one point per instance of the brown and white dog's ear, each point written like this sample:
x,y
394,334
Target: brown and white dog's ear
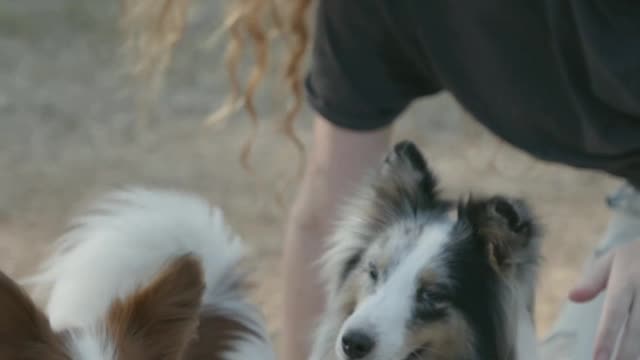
x,y
507,229
160,320
25,332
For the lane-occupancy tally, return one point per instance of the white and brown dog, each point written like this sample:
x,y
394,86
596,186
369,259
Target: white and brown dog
x,y
144,275
152,275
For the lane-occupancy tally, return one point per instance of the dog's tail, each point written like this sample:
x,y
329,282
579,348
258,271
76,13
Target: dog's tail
x,y
127,239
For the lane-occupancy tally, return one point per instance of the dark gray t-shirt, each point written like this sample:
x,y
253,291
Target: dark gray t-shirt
x,y
559,79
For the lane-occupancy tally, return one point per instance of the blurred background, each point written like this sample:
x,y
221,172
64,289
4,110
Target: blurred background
x,y
67,115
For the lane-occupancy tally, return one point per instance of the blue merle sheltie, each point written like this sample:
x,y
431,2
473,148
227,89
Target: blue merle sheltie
x,y
412,276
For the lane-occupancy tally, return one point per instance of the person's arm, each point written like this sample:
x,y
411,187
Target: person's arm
x,y
360,80
337,162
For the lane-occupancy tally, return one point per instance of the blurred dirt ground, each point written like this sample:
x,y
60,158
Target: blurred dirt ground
x,y
65,136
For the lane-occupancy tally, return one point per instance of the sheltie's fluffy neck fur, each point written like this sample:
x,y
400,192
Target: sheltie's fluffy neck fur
x,y
143,275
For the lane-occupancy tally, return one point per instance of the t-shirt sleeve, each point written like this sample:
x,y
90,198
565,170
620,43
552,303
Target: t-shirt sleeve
x,y
362,77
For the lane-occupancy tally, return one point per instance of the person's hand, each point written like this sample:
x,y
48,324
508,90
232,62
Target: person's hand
x,y
619,272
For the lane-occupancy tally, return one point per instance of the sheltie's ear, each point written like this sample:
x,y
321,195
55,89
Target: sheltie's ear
x,y
507,229
159,321
405,165
404,184
25,332
401,187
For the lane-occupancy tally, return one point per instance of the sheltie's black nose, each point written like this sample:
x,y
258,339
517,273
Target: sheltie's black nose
x,y
357,344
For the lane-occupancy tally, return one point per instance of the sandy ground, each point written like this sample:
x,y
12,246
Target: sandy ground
x,y
65,136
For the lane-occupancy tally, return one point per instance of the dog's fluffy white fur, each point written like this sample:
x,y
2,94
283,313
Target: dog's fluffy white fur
x,y
126,240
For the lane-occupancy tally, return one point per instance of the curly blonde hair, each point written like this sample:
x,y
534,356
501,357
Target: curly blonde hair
x,y
152,29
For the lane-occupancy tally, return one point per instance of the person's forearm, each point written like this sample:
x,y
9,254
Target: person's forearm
x,y
337,163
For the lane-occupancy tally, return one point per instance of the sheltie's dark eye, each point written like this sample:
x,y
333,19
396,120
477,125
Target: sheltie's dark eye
x,y
423,296
431,295
430,303
373,272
